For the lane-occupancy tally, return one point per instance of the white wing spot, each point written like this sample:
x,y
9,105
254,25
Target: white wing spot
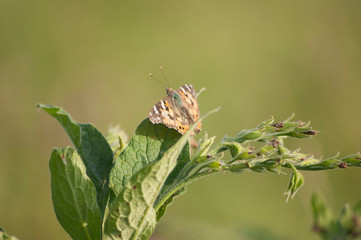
x,y
182,89
162,104
189,88
155,110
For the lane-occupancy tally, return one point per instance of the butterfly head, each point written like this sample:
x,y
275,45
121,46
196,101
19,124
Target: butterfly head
x,y
169,91
174,95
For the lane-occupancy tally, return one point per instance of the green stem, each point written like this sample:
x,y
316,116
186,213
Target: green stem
x,y
180,185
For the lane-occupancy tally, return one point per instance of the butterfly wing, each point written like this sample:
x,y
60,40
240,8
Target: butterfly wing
x,y
178,110
167,112
190,104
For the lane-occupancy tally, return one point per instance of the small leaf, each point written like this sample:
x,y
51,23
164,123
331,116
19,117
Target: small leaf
x,y
163,208
234,147
323,222
357,208
266,123
251,134
74,195
204,145
116,138
92,147
290,118
266,149
352,159
5,236
346,217
322,216
295,183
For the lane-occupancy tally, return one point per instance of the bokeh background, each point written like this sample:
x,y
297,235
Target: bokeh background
x,y
256,59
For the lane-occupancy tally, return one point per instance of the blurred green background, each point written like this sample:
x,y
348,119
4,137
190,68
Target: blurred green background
x,y
256,59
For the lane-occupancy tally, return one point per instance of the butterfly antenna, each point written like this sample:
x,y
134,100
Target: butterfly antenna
x,y
152,76
161,69
200,91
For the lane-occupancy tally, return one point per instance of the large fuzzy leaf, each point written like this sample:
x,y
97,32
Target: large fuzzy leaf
x,y
74,195
93,149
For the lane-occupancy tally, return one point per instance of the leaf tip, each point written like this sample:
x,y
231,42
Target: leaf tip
x,y
290,117
43,106
39,106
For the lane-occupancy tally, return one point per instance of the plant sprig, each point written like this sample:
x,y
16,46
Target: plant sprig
x,y
271,156
136,180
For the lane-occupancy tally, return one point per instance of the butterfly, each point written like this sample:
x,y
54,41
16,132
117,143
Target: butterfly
x,y
178,110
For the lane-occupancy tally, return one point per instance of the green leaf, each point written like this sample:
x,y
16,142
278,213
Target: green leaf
x,y
322,216
93,149
357,208
148,145
295,183
346,216
352,159
172,181
266,123
132,215
5,236
204,145
163,208
74,195
116,138
251,134
235,148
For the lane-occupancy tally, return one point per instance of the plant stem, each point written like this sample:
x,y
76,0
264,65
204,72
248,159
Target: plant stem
x,y
180,185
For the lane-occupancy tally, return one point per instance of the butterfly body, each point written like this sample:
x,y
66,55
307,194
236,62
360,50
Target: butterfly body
x,y
178,110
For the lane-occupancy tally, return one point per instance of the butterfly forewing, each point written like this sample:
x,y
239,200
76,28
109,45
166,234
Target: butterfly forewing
x,y
161,113
190,104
